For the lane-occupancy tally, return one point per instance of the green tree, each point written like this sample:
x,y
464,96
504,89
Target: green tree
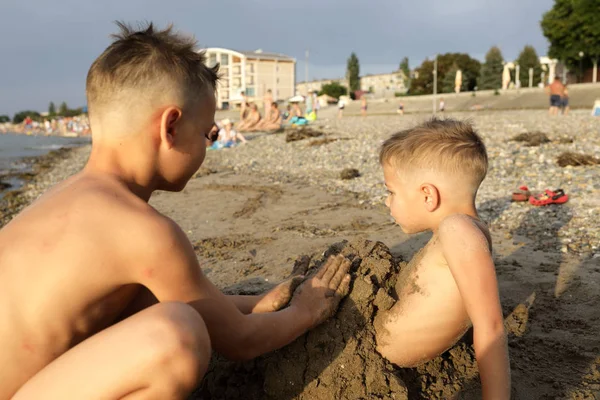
x,y
528,58
353,73
51,109
63,109
21,115
491,70
405,68
423,82
4,118
333,89
571,27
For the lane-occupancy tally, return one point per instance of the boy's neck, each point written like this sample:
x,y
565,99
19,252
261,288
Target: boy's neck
x,y
465,209
118,165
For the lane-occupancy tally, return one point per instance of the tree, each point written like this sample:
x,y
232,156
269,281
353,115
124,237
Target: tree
x,y
63,109
333,89
528,58
491,70
423,83
353,73
571,27
21,115
51,109
405,68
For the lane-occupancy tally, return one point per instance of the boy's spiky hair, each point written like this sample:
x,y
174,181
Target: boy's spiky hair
x,y
444,145
146,59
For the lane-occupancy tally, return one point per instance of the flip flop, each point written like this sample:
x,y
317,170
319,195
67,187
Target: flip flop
x,y
549,197
523,194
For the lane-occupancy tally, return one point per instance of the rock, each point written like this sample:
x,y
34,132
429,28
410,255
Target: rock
x,y
349,173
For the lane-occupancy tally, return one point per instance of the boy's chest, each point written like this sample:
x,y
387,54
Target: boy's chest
x,y
427,272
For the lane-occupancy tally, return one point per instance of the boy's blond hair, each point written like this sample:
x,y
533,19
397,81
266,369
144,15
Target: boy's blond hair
x,y
444,145
148,62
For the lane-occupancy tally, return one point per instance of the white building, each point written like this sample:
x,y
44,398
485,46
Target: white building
x,y
251,72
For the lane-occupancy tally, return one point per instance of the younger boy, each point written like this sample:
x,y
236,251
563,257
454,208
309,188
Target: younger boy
x,y
432,174
101,296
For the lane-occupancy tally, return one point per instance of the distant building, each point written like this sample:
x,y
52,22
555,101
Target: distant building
x,y
384,85
252,72
380,85
302,88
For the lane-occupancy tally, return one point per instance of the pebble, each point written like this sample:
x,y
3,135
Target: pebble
x,y
511,164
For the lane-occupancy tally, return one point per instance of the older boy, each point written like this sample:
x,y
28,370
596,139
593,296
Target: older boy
x,y
101,296
432,174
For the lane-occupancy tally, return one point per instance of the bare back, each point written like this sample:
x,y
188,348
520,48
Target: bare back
x,y
429,316
58,283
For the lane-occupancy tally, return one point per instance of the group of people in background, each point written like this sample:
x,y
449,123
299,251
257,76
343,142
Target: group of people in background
x,y
559,97
61,126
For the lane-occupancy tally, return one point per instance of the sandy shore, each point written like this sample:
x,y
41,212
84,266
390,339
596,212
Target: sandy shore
x,y
254,209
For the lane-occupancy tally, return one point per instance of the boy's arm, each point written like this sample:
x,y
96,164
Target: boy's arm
x,y
172,273
273,300
466,250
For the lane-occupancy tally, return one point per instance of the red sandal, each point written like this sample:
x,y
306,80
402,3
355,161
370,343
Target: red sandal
x,y
549,197
522,194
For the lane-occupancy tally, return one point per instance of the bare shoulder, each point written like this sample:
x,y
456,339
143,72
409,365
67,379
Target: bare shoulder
x,y
464,230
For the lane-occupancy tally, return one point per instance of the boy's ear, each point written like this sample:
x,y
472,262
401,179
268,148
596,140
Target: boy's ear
x,y
431,196
168,125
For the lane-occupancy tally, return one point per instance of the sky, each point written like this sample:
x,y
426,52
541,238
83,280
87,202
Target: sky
x,y
47,47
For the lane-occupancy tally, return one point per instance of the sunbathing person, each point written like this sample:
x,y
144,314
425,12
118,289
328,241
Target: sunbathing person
x,y
251,120
272,123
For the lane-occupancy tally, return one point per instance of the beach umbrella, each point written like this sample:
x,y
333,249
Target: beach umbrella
x,y
506,75
296,99
458,81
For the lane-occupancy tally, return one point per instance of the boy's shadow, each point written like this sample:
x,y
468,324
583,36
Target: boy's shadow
x,y
542,292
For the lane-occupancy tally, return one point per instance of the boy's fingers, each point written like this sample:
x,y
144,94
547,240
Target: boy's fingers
x,y
339,275
296,281
332,269
324,267
344,288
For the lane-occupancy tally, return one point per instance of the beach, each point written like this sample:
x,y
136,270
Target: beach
x,y
252,210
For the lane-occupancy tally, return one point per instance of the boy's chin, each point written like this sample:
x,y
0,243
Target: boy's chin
x,y
411,230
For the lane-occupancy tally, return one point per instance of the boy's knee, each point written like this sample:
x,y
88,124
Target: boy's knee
x,y
182,343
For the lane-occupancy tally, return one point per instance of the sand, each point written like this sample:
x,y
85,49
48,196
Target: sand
x,y
548,298
248,230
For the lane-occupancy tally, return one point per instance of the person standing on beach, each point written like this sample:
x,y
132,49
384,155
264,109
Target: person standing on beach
x,y
341,105
243,106
267,100
564,100
103,297
556,89
363,105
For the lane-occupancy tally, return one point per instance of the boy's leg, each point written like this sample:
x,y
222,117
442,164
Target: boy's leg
x,y
161,352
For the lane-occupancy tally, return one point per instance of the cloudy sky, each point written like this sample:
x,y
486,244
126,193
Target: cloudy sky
x,y
46,47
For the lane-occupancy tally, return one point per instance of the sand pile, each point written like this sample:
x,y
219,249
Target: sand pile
x,y
531,138
575,159
338,360
302,133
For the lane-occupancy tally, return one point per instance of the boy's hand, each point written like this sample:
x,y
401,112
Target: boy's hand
x,y
278,297
321,295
